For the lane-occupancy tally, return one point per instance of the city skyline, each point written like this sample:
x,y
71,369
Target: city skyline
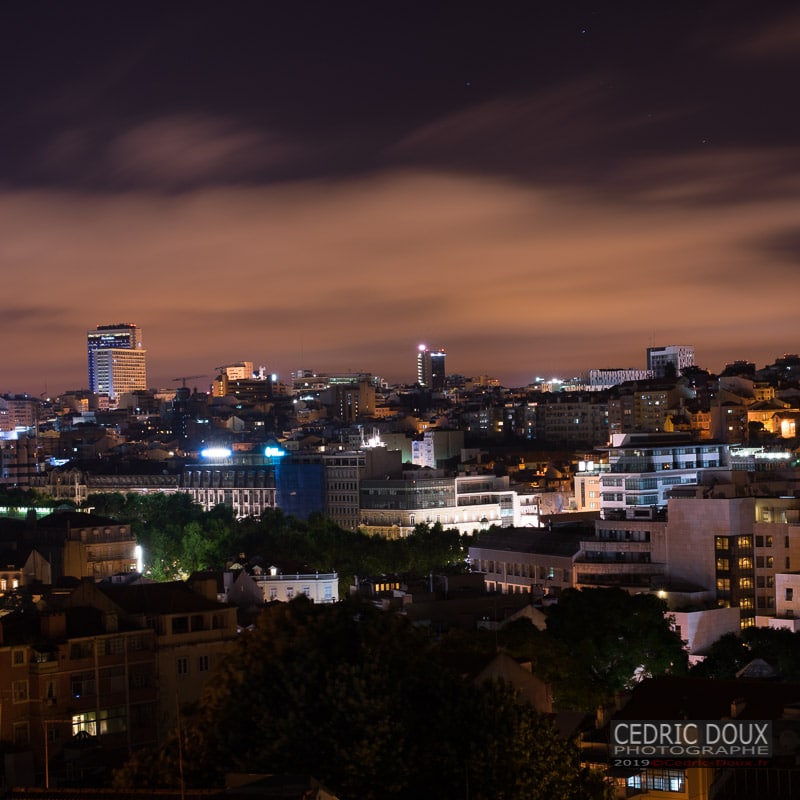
x,y
540,190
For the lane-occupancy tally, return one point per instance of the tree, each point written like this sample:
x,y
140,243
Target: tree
x,y
361,700
607,639
732,651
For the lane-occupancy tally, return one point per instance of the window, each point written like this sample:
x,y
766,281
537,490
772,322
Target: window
x,y
789,593
140,680
19,691
106,720
18,657
115,646
79,650
720,543
82,684
202,663
180,624
182,666
22,734
663,780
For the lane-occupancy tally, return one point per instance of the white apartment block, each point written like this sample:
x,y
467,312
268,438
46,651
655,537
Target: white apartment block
x,y
643,468
393,507
597,379
676,356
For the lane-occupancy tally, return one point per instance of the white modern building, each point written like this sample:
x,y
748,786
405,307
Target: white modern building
x,y
672,357
644,467
393,507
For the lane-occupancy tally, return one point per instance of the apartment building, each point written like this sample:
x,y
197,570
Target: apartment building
x,y
70,674
191,635
645,467
393,507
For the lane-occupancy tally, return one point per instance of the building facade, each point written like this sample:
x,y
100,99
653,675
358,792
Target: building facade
x,y
431,368
671,359
116,359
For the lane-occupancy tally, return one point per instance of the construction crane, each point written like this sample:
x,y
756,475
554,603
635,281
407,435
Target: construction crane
x,y
184,378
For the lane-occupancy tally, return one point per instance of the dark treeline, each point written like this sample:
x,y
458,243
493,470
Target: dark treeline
x,y
178,537
365,702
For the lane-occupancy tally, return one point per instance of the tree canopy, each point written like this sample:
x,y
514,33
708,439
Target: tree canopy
x,y
598,642
178,537
361,700
780,648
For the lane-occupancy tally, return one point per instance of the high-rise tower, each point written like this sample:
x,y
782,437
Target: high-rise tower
x,y
116,359
430,368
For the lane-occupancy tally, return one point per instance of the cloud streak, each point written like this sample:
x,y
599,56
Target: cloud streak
x,y
513,280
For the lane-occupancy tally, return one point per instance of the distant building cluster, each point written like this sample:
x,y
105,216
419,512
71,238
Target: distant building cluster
x,y
666,479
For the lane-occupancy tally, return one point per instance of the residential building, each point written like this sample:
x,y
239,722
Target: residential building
x,y
527,561
643,468
20,464
22,566
18,412
436,447
393,507
84,545
69,673
598,379
628,554
273,584
192,635
349,402
573,418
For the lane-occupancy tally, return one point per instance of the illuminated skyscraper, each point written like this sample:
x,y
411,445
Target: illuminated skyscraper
x,y
430,368
116,359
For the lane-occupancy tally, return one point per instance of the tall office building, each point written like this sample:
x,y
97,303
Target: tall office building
x,y
116,359
672,358
430,368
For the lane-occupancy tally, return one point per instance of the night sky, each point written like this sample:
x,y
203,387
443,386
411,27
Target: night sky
x,y
538,187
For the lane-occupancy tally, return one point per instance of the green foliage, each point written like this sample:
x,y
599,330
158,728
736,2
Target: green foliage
x,y
178,537
14,498
361,700
780,648
598,642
